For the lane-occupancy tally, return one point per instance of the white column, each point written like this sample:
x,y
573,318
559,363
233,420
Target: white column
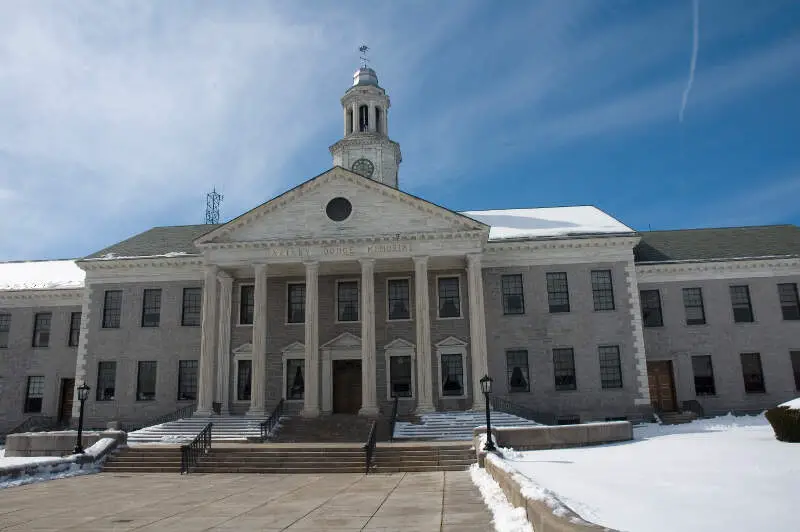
x,y
477,328
386,121
371,121
346,121
259,363
369,394
205,385
311,403
356,124
423,317
224,341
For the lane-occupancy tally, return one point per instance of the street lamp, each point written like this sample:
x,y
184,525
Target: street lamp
x,y
486,388
83,395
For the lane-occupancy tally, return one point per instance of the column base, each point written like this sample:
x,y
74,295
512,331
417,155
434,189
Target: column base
x,y
479,405
424,409
369,411
206,412
310,412
256,413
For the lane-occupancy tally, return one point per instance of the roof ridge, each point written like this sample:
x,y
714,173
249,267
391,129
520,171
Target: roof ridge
x,y
21,261
687,229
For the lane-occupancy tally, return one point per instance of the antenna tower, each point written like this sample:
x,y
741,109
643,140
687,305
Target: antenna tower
x,y
213,199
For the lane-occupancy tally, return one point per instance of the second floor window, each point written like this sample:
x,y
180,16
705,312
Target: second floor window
x,y
297,303
5,327
557,292
740,300
790,306
192,312
112,309
74,329
651,308
449,297
399,299
693,305
513,297
602,290
246,304
347,300
41,329
151,307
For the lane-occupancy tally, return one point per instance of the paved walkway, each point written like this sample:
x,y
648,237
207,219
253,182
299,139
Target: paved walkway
x,y
444,501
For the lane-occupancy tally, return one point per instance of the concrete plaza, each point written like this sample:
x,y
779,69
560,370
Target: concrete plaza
x,y
444,501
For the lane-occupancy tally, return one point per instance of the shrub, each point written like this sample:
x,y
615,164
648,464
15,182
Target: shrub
x,y
785,422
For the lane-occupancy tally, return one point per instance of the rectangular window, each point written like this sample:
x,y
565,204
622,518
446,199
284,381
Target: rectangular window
x,y
5,327
151,307
752,373
187,380
703,375
564,368
790,305
295,381
693,305
651,308
34,393
297,303
74,329
740,299
513,297
610,369
41,329
106,381
146,381
452,375
112,309
795,355
192,313
400,376
602,290
517,373
247,304
244,377
557,291
399,299
347,300
449,297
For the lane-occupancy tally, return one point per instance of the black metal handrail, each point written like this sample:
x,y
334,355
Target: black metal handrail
x,y
393,419
272,421
504,405
29,423
369,447
192,451
182,412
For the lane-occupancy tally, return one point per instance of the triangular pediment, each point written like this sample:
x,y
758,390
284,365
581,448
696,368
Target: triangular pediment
x,y
244,349
343,341
451,341
294,347
375,210
398,344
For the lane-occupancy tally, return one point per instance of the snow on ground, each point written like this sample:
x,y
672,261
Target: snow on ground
x,y
547,222
43,468
794,404
40,275
505,517
721,474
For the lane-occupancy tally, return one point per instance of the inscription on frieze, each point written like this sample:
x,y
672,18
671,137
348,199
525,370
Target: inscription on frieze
x,y
305,252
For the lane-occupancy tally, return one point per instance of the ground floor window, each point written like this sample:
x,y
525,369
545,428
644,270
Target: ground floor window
x,y
703,375
106,381
400,375
796,368
187,380
244,377
517,374
753,373
564,368
295,382
610,368
146,381
34,393
452,374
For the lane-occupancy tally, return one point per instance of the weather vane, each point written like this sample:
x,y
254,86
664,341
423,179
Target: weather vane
x,y
363,49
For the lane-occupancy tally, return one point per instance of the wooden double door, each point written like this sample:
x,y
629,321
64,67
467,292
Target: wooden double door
x,y
346,386
662,386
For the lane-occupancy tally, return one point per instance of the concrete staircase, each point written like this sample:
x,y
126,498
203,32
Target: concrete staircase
x,y
336,428
400,457
225,429
283,459
145,459
677,418
452,426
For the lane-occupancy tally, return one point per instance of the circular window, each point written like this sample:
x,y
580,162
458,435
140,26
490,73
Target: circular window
x,y
338,209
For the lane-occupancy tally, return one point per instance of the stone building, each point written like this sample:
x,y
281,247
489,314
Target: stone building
x,y
346,291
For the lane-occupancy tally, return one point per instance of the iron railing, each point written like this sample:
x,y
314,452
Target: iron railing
x,y
37,423
369,447
199,446
183,412
393,419
272,421
504,405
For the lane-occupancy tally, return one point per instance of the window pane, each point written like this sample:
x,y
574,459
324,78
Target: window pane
x,y
106,381
703,375
297,303
400,376
796,368
399,299
740,299
564,368
790,307
41,329
5,327
452,375
651,308
557,291
246,304
513,297
752,373
449,298
295,382
517,373
192,307
112,309
34,393
187,380
602,290
146,381
151,307
348,300
74,329
243,380
610,370
693,304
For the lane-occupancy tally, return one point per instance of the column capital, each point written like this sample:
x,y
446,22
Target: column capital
x,y
223,276
420,259
311,265
260,268
367,262
474,259
212,269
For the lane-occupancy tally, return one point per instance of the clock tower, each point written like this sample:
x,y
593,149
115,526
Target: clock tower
x,y
366,148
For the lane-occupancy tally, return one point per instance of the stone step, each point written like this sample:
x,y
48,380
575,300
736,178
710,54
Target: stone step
x,y
141,469
279,470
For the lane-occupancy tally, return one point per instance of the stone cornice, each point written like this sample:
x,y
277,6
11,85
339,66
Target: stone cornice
x,y
572,242
139,262
366,139
718,269
41,298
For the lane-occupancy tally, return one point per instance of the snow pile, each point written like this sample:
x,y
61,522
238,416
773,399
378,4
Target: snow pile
x,y
794,404
707,469
113,256
548,222
40,275
506,518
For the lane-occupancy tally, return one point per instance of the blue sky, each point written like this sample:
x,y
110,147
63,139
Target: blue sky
x,y
119,116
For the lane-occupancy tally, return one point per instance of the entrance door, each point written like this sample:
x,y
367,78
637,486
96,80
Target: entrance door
x,y
346,386
662,386
67,393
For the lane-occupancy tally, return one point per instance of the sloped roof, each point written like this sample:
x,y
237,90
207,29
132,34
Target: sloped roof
x,y
158,241
40,275
725,243
548,222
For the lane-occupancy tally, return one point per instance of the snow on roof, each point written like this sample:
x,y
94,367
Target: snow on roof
x,y
548,222
794,404
40,275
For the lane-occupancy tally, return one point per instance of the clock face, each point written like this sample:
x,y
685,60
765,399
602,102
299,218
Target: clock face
x,y
364,167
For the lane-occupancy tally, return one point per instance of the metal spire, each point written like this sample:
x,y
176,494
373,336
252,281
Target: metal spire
x,y
364,60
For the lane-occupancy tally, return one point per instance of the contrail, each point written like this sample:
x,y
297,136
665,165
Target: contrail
x,y
695,48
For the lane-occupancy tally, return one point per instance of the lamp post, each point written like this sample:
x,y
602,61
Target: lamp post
x,y
486,388
83,395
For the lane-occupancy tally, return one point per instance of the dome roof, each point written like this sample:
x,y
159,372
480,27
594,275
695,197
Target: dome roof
x,y
365,76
